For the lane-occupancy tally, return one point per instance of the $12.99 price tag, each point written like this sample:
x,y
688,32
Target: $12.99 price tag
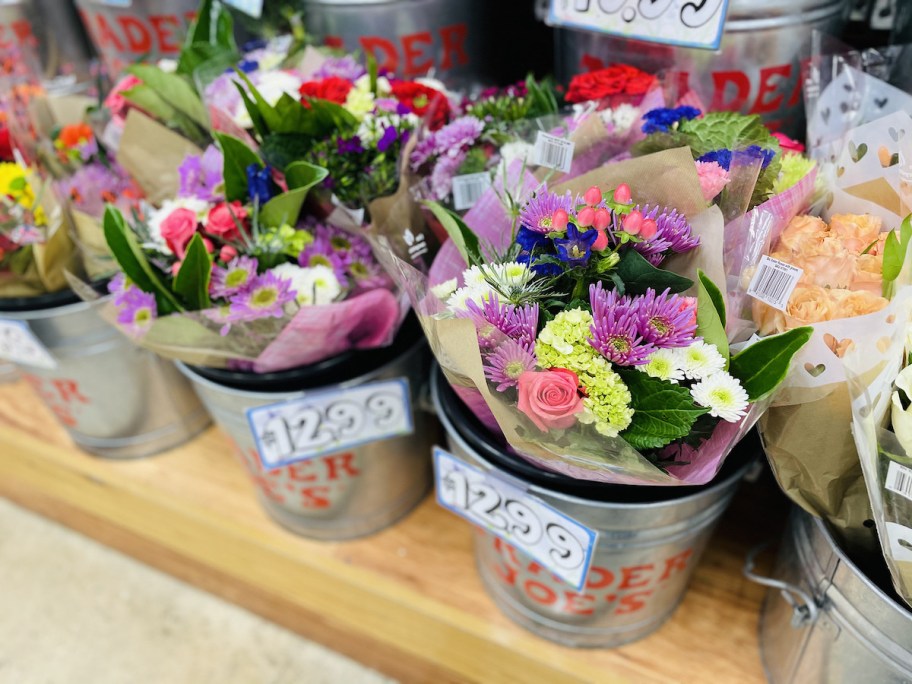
x,y
328,421
557,542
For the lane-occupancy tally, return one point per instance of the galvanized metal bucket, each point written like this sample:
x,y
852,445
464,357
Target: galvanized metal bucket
x,y
757,68
115,399
825,620
355,492
650,541
124,32
407,37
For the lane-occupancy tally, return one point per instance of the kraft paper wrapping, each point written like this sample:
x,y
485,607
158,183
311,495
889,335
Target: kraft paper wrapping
x,y
89,236
152,153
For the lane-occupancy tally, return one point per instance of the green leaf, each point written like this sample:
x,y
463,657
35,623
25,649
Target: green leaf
x,y
259,122
462,236
175,90
762,366
237,158
266,112
639,275
319,119
711,315
129,256
192,280
662,412
150,101
285,208
211,35
372,71
894,258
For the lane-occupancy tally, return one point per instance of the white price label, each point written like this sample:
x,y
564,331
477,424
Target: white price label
x,y
329,421
557,542
687,23
899,479
19,345
115,3
553,152
774,282
252,7
900,539
468,189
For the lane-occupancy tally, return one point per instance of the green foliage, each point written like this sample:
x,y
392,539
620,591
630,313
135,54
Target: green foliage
x,y
663,412
711,315
285,208
894,258
638,275
192,281
211,36
462,236
762,366
237,158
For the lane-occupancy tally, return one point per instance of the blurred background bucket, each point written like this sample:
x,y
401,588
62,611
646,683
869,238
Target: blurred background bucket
x,y
357,491
650,540
827,620
115,399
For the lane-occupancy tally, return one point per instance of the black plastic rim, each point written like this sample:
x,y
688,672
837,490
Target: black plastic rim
x,y
332,371
493,449
50,300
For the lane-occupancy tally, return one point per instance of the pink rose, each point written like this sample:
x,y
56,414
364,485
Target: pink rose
x,y
115,101
550,399
223,220
177,229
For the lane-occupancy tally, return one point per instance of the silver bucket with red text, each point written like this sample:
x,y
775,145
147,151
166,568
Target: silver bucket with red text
x,y
650,539
407,37
127,31
348,493
757,68
115,399
825,620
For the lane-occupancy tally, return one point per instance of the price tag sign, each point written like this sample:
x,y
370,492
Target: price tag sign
x,y
468,189
252,7
774,282
553,152
687,23
557,542
19,345
330,421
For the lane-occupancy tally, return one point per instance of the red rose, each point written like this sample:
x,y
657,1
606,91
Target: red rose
x,y
551,399
223,220
423,101
332,88
177,229
616,79
6,146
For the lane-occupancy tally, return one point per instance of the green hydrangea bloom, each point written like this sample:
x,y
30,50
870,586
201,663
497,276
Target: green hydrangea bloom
x,y
564,343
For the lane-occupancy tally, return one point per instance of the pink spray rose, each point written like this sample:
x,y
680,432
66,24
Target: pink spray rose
x,y
551,398
223,220
177,230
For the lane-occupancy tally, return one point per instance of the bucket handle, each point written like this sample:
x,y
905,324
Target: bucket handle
x,y
804,607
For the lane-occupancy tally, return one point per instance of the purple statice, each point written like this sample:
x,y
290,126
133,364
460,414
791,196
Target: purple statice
x,y
665,320
200,175
663,120
265,297
346,67
321,253
458,135
349,145
442,176
389,137
576,248
616,328
506,363
536,215
138,310
234,278
424,150
673,234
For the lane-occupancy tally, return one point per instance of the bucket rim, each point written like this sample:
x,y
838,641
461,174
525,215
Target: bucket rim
x,y
694,492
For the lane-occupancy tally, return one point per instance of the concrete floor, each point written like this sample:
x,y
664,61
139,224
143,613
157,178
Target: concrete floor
x,y
75,612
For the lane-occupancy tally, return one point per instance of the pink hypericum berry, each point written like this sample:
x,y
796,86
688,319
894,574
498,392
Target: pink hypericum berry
x,y
593,196
208,244
227,253
622,195
559,219
585,217
602,219
633,223
601,242
648,229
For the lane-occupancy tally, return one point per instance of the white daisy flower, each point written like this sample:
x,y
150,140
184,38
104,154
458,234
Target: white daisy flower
x,y
314,285
723,395
457,300
700,360
664,364
511,274
445,289
474,277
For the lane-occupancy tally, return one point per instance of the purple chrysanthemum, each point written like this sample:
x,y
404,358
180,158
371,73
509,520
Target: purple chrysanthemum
x,y
666,320
424,150
346,67
615,328
266,297
525,321
493,320
673,234
367,274
200,175
234,278
138,310
320,253
536,215
459,134
442,176
119,286
507,363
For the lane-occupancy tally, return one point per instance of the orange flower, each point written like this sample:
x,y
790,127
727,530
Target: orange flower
x,y
868,274
75,134
847,304
800,230
857,231
826,263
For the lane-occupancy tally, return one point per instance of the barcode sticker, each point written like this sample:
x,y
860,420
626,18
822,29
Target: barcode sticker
x,y
468,189
774,282
899,479
553,152
19,345
252,7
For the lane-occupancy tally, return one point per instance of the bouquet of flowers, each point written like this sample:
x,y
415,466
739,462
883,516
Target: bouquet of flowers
x,y
224,275
591,332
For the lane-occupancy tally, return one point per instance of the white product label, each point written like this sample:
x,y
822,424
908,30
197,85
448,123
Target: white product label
x,y
468,189
557,542
115,3
687,23
774,282
19,345
252,7
328,421
553,152
900,538
899,479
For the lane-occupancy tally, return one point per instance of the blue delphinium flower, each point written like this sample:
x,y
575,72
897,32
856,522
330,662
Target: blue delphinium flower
x,y
259,183
662,120
531,240
724,157
248,66
542,268
390,135
576,248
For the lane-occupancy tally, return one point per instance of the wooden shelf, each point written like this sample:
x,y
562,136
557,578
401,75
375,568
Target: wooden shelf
x,y
407,601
